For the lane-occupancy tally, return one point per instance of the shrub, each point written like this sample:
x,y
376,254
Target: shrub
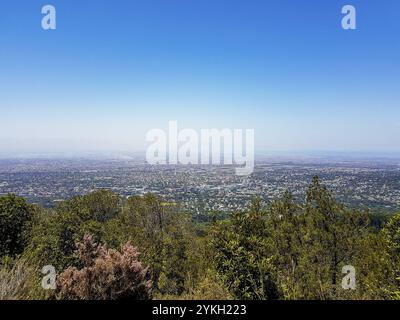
x,y
106,274
13,281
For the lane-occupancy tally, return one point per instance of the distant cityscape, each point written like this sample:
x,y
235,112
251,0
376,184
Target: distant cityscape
x,y
372,183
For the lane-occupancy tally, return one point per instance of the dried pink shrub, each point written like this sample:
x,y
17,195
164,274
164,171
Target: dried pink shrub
x,y
107,274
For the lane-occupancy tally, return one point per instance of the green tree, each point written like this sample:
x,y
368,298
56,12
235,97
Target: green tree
x,y
161,230
54,237
294,250
243,255
287,225
391,233
328,237
100,205
15,223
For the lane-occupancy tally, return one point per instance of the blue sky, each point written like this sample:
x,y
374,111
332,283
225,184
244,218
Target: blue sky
x,y
115,69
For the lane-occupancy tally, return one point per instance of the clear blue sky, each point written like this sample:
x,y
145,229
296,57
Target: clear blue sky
x,y
114,69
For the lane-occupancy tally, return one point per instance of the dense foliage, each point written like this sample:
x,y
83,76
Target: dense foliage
x,y
288,249
15,218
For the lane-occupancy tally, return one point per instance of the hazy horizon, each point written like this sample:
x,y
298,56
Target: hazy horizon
x,y
260,155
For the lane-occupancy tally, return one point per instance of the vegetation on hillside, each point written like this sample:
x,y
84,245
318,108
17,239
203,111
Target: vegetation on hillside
x,y
103,246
